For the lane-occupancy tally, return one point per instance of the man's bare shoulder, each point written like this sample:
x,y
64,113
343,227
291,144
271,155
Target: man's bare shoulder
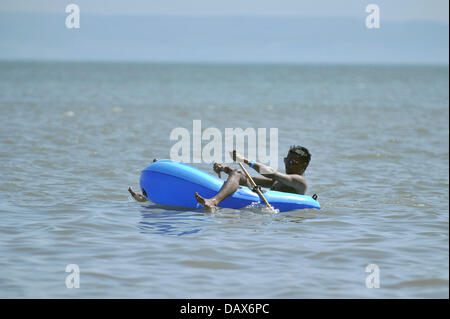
x,y
302,185
294,184
298,178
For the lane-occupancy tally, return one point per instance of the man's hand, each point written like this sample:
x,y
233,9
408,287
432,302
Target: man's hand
x,y
237,157
221,168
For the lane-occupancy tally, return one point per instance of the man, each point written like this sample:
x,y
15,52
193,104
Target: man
x,y
296,162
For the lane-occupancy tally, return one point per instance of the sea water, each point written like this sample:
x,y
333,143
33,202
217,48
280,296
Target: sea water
x,y
74,136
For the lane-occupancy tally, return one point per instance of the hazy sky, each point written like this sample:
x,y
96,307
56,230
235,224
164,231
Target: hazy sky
x,y
393,10
315,31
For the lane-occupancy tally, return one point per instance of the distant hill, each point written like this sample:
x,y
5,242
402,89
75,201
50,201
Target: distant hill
x,y
221,39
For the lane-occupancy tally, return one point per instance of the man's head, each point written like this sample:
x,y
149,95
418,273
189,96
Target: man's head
x,y
297,160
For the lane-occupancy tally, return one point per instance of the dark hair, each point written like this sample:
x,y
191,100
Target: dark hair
x,y
301,152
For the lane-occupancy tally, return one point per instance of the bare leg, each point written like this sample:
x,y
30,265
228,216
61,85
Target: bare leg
x,y
228,188
136,196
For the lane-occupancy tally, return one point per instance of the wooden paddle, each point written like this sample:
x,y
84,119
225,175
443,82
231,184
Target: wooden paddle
x,y
255,187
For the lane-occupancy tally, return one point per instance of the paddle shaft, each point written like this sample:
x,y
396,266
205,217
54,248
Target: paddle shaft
x,y
255,186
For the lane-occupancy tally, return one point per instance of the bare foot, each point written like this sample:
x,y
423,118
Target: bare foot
x,y
136,196
208,203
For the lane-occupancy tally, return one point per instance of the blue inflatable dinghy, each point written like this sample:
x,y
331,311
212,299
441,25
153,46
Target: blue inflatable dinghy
x,y
174,184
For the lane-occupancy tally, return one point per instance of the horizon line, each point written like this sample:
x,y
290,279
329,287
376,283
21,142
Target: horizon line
x,y
224,62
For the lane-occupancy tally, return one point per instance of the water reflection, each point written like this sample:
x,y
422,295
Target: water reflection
x,y
163,220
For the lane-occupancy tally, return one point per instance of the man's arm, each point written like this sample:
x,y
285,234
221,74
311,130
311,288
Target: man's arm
x,y
292,180
260,181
